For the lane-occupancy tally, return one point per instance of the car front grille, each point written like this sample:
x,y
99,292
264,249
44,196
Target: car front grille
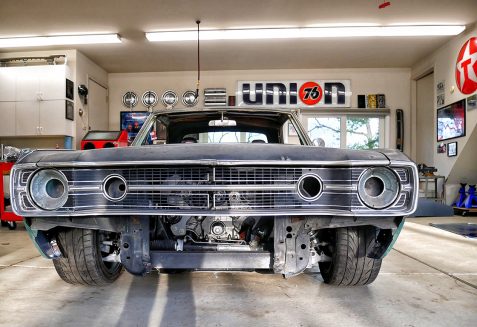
x,y
213,190
256,175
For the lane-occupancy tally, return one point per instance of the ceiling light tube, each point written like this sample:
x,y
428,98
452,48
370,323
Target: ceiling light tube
x,y
307,32
38,41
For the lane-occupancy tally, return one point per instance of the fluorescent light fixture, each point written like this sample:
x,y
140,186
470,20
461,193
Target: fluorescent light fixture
x,y
38,41
306,32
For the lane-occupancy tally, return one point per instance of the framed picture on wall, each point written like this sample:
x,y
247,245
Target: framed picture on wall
x,y
451,121
441,99
69,110
70,90
441,148
452,149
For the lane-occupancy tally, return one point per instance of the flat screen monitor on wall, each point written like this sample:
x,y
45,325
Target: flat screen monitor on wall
x,y
451,121
132,121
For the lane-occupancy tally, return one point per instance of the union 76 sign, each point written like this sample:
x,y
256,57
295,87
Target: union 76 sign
x,y
305,93
466,67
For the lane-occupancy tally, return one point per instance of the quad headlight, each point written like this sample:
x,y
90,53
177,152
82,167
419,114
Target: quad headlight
x,y
378,187
48,188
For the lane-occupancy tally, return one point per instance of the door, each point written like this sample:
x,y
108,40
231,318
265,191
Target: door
x,y
98,108
425,118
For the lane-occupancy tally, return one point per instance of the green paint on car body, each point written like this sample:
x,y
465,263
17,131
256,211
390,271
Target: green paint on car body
x,y
395,236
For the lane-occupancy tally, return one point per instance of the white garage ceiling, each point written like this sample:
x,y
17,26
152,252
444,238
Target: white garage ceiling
x,y
135,54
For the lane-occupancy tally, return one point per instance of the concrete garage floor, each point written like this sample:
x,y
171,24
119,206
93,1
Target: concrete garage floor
x,y
430,279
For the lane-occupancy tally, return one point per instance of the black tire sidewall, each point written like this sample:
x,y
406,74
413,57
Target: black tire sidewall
x,y
349,265
109,274
82,262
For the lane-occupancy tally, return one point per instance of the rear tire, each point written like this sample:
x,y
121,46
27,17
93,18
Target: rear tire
x,y
82,261
349,265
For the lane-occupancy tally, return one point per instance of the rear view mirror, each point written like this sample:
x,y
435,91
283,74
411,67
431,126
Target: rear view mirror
x,y
223,122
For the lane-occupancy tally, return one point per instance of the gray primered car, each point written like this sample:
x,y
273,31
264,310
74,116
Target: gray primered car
x,y
215,189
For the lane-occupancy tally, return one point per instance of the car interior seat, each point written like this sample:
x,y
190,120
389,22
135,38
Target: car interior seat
x,y
189,139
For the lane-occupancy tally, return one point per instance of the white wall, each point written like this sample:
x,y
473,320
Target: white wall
x,y
85,69
394,83
443,62
425,109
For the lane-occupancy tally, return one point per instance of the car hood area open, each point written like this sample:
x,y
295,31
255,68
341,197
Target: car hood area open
x,y
207,154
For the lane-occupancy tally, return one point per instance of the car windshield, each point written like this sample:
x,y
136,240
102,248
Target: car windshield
x,y
228,137
220,126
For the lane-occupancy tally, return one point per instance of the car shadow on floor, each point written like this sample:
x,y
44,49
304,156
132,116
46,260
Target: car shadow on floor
x,y
140,300
159,299
130,301
179,309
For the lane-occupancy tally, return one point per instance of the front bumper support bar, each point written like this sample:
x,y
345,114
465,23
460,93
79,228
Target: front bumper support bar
x,y
211,260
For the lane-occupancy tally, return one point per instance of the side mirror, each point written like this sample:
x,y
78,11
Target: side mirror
x,y
319,142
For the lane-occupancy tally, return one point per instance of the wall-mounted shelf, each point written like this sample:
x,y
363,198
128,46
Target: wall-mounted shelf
x,y
339,110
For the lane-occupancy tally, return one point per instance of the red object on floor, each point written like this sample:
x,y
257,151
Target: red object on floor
x,y
6,215
384,4
104,139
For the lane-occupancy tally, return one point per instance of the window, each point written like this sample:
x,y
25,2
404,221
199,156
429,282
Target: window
x,y
235,126
351,131
325,131
362,133
232,137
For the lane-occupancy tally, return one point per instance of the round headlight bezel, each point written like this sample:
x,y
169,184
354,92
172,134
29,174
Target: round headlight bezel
x,y
38,191
112,179
300,187
391,187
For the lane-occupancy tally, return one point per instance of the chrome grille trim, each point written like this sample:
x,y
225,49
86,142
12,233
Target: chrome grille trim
x,y
213,162
129,202
246,175
210,187
266,189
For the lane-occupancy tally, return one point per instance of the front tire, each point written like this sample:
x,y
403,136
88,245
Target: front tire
x,y
349,265
82,261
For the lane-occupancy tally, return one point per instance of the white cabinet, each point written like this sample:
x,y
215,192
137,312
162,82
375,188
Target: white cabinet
x,y
40,118
7,84
40,83
52,118
27,86
32,101
52,83
7,118
27,118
